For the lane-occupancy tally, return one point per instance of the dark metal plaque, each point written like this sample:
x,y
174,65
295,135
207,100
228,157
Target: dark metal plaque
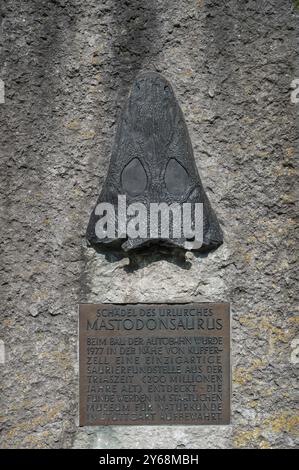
x,y
154,364
153,162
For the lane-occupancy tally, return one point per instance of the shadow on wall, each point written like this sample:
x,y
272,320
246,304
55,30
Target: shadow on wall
x,y
135,40
153,253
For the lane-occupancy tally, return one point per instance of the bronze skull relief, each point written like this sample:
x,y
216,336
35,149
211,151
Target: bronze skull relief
x,y
152,162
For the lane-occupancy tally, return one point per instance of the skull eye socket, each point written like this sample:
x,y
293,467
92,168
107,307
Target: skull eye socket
x,y
133,178
176,178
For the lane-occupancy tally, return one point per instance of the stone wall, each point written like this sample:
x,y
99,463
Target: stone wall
x,y
67,66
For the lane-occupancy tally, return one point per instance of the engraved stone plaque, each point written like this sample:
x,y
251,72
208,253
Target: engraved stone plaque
x,y
154,364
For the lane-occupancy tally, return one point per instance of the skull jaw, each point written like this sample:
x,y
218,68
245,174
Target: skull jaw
x,y
129,245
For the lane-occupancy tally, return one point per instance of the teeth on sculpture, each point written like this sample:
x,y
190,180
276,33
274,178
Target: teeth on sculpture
x,y
189,256
152,162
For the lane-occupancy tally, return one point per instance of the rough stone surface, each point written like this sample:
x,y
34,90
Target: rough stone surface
x,y
67,66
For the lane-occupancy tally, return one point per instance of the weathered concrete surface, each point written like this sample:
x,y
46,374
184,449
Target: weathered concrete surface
x,y
67,66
